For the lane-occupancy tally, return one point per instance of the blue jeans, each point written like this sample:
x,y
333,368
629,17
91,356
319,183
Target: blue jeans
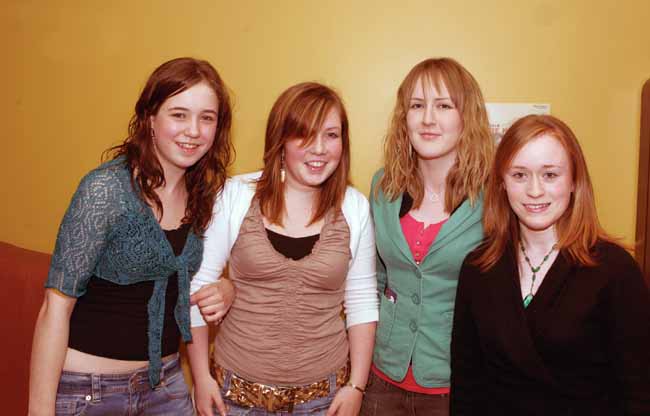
x,y
316,407
124,394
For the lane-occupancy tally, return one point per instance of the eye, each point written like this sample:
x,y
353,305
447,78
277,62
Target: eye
x,y
445,106
333,135
208,117
550,175
415,106
180,116
518,175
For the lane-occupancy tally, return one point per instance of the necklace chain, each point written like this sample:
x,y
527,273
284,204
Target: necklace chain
x,y
534,270
432,196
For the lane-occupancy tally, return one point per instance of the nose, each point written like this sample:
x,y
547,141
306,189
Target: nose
x,y
535,187
429,116
192,129
318,145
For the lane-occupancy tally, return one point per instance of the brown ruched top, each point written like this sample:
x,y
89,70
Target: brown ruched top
x,y
285,326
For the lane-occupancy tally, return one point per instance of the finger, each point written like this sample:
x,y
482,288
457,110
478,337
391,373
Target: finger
x,y
204,292
209,301
221,407
217,317
333,408
212,309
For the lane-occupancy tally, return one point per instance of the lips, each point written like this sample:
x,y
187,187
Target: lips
x,y
534,208
428,135
315,165
188,148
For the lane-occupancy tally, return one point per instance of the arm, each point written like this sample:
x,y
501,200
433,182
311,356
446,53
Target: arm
x,y
362,311
467,368
206,389
628,332
380,266
80,242
48,351
210,299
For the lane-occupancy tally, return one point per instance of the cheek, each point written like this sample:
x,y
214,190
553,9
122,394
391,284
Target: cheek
x,y
454,124
336,150
293,156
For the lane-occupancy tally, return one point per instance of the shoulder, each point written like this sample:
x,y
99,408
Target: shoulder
x,y
613,257
109,175
355,204
377,176
241,186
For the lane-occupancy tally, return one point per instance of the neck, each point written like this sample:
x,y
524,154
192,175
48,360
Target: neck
x,y
299,199
434,172
174,181
538,241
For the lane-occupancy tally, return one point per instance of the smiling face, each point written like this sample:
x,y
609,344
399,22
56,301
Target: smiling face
x,y
539,184
308,163
434,123
184,127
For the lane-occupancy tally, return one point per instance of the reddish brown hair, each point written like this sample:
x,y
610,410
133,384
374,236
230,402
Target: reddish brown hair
x,y
467,176
299,112
205,179
578,229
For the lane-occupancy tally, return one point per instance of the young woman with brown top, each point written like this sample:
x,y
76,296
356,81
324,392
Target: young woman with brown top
x,y
300,246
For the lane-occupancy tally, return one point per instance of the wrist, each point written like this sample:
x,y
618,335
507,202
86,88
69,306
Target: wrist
x,y
360,389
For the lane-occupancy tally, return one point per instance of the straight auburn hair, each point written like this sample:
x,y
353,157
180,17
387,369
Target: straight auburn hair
x,y
468,175
205,179
299,113
578,229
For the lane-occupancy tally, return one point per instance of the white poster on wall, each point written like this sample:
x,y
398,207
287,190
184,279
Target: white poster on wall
x,y
502,115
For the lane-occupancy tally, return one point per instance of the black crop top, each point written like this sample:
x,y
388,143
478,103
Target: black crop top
x,y
292,247
111,320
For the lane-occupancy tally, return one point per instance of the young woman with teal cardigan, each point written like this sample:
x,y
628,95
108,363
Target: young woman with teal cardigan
x,y
427,208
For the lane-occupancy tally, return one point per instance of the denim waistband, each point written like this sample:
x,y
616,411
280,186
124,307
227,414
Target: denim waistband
x,y
96,385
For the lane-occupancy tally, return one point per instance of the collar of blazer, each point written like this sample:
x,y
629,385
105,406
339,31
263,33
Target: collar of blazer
x,y
463,217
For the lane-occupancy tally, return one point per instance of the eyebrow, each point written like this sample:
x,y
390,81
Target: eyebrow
x,y
543,167
436,99
187,109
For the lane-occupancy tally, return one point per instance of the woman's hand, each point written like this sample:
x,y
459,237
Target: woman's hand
x,y
347,402
214,300
207,396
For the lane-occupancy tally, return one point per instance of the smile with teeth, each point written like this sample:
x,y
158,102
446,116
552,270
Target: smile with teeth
x,y
316,164
536,207
188,146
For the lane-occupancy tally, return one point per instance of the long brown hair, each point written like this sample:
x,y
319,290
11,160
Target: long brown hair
x,y
205,179
467,176
299,112
578,229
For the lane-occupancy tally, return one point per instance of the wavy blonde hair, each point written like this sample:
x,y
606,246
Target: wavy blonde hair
x,y
578,229
468,175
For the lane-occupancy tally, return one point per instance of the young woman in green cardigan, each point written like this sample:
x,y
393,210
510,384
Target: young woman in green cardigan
x,y
427,208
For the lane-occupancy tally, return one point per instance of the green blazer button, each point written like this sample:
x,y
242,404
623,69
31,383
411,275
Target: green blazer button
x,y
414,326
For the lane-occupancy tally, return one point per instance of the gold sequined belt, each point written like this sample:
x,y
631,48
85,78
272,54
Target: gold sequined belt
x,y
275,398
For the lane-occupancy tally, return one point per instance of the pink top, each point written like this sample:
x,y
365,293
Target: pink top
x,y
419,239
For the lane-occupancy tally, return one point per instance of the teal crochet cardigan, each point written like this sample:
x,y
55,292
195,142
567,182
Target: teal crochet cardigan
x,y
109,232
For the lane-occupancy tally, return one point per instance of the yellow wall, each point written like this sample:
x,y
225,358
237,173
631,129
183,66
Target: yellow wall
x,y
72,71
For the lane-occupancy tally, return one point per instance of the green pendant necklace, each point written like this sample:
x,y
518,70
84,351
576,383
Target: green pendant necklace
x,y
529,296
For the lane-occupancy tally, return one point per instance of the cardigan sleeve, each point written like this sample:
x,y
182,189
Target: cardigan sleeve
x,y
467,364
360,301
216,248
84,232
628,330
379,264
